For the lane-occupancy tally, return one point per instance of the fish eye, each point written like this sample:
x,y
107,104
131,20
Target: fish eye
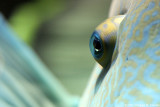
x,y
96,45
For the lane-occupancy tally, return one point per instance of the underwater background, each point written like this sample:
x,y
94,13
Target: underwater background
x,y
59,32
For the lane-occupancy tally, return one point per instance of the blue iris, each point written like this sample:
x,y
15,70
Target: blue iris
x,y
96,45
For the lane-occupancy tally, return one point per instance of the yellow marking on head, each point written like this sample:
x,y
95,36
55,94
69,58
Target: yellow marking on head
x,y
108,33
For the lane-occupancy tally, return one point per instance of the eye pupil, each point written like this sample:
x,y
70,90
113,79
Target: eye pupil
x,y
97,45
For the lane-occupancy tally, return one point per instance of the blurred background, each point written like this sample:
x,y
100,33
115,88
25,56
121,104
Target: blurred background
x,y
59,32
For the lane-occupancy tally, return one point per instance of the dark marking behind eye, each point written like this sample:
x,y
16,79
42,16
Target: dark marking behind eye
x,y
100,78
127,58
124,11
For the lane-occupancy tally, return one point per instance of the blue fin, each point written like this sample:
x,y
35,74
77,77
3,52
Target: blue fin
x,y
24,79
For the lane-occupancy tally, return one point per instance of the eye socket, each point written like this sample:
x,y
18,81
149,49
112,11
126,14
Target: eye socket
x,y
96,45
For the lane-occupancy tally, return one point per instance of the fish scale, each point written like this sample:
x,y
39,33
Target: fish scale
x,y
134,78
